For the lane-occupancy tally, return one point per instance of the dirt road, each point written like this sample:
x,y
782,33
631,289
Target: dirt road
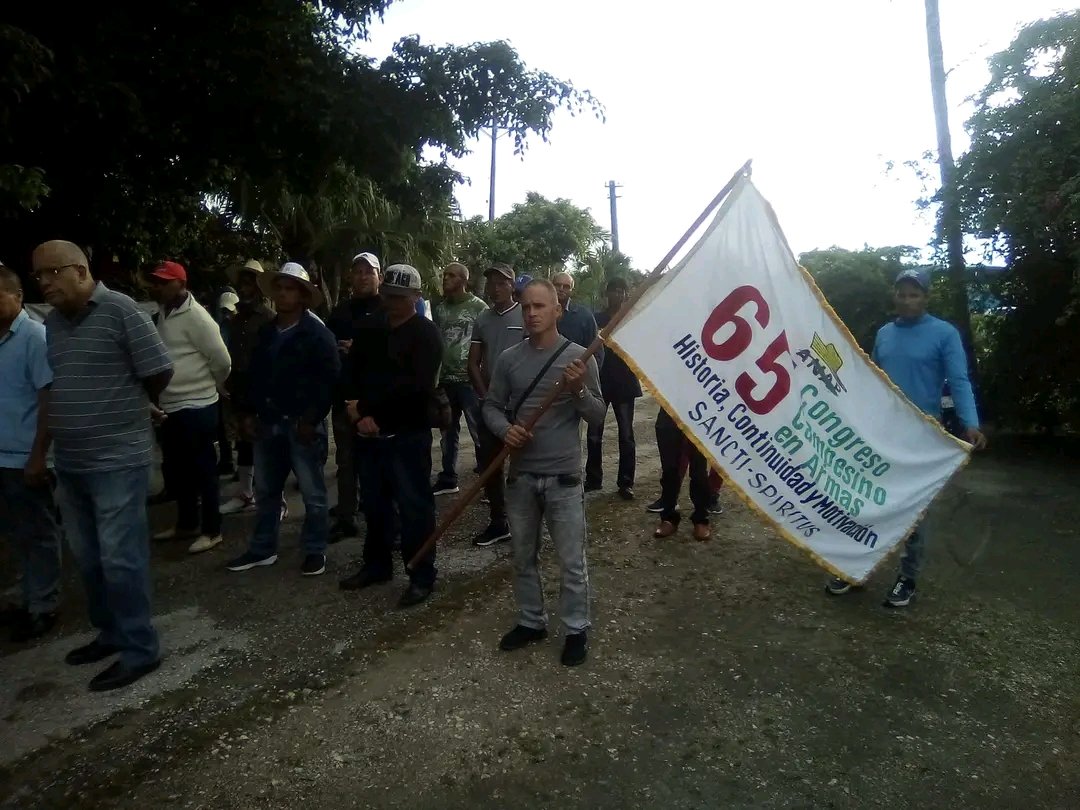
x,y
720,675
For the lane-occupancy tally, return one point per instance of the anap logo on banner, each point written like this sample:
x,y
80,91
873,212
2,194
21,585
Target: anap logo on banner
x,y
739,345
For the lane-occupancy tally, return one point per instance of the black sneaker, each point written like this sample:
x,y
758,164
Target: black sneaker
x,y
657,506
34,625
247,561
522,636
714,505
901,594
341,531
837,586
363,578
444,488
575,649
626,493
593,486
495,533
314,564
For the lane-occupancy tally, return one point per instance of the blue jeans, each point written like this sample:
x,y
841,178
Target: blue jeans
x,y
463,402
911,560
105,522
559,502
396,470
277,451
36,537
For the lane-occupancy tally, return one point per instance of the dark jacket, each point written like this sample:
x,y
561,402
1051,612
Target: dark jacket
x,y
244,333
578,324
617,381
293,373
393,372
348,321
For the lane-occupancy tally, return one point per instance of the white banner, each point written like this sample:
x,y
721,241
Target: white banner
x,y
739,345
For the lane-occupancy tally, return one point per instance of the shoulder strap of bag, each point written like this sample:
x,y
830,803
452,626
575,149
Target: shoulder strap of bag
x,y
536,381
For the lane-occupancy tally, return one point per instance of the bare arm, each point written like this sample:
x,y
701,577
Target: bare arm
x,y
476,374
494,410
36,472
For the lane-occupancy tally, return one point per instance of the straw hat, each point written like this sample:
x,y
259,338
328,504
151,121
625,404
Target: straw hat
x,y
296,273
234,272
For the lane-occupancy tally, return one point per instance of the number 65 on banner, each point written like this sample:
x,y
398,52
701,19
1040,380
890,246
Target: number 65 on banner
x,y
727,312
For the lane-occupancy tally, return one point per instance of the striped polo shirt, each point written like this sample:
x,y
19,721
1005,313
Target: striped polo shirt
x,y
99,413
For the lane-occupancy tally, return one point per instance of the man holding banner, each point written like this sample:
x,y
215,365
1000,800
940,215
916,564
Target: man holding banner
x,y
920,353
544,481
763,377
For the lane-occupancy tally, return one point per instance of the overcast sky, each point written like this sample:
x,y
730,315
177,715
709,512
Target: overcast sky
x,y
821,95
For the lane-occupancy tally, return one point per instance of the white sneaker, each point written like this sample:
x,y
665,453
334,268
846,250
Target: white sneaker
x,y
204,543
237,503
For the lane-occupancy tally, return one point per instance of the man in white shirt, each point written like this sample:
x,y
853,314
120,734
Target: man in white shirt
x,y
188,416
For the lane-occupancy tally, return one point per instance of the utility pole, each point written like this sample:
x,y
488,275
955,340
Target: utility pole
x,y
950,226
491,188
614,215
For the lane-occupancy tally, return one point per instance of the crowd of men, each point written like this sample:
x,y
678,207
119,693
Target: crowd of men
x,y
381,371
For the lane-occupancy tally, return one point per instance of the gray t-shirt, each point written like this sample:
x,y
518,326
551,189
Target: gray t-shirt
x,y
497,332
555,448
99,413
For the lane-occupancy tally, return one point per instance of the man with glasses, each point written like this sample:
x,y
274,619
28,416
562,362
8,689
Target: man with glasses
x,y
109,365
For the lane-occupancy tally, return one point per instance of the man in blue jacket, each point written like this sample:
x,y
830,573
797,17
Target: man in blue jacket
x,y
294,370
920,353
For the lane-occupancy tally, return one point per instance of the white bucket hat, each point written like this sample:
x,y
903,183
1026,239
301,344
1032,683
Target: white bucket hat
x,y
296,273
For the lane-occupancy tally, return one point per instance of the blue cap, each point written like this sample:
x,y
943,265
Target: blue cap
x,y
521,281
918,278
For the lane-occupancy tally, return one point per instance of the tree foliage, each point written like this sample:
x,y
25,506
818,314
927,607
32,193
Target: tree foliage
x,y
1020,182
858,284
209,131
539,237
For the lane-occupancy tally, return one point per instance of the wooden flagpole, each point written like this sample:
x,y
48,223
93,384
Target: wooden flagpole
x,y
470,494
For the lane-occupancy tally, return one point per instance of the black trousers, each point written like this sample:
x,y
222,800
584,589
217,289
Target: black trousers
x,y
594,464
189,466
670,443
495,488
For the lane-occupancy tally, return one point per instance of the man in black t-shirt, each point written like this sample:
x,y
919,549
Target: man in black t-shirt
x,y
391,400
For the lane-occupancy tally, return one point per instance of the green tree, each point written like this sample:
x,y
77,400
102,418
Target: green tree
x,y
539,237
156,130
600,265
858,284
1020,186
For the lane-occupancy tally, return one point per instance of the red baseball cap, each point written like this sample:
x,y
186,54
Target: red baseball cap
x,y
170,271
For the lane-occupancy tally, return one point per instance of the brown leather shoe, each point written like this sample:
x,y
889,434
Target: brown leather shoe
x,y
665,529
702,532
